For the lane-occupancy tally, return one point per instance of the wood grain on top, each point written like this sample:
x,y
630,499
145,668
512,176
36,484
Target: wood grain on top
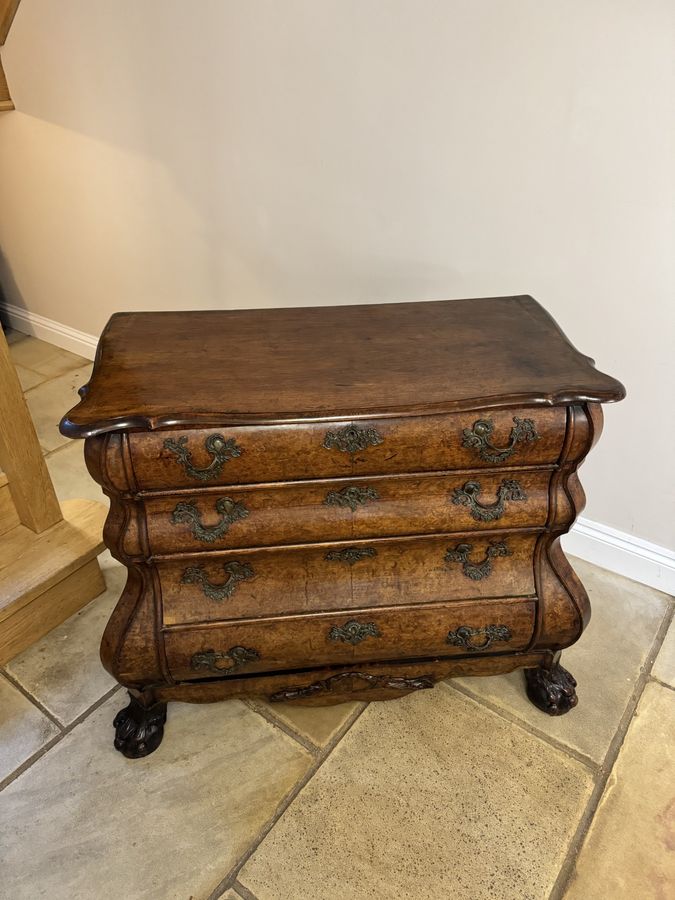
x,y
155,369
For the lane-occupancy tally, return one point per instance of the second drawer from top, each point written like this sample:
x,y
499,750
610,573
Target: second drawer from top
x,y
344,510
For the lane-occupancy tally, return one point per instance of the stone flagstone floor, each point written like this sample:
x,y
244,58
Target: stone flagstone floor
x,y
461,793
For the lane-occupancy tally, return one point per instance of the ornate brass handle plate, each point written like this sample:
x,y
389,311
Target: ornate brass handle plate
x,y
480,437
477,571
347,680
350,555
220,449
487,512
489,634
352,438
237,657
351,496
187,513
235,571
353,632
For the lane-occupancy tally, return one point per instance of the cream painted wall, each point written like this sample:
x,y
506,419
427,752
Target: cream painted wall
x,y
235,153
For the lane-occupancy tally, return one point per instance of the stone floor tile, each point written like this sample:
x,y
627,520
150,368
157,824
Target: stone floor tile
x,y
70,477
664,666
319,724
63,670
629,853
606,663
28,378
49,401
167,827
44,358
430,796
23,729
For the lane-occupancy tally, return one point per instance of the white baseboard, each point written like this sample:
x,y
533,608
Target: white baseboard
x,y
48,330
596,543
622,553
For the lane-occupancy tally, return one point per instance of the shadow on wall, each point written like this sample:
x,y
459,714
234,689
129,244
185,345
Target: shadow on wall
x,y
9,290
290,158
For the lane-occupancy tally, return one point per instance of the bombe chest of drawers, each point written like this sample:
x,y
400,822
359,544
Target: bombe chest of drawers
x,y
323,504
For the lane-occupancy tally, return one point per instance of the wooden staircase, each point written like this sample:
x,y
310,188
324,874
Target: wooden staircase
x,y
48,564
8,10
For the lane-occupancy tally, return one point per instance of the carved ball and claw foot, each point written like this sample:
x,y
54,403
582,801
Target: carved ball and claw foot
x,y
139,729
551,689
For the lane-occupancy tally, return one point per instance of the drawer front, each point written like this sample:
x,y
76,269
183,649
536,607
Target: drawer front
x,y
244,455
264,583
467,629
336,510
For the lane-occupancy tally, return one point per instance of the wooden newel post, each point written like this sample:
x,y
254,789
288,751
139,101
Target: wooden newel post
x,y
20,453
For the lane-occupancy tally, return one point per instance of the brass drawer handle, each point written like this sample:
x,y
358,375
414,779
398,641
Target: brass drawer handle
x,y
352,438
353,632
235,570
479,436
463,636
487,512
238,656
351,496
222,450
187,513
350,555
477,571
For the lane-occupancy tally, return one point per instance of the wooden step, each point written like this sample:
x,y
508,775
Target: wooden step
x,y
46,577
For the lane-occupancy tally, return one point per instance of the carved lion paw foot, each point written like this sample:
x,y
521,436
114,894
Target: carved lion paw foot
x,y
551,690
139,729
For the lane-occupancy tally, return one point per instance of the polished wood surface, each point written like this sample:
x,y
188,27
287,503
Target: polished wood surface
x,y
292,452
302,580
319,505
292,514
306,641
337,684
245,366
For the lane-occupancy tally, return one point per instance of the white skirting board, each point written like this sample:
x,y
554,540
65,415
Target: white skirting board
x,y
598,544
622,553
48,330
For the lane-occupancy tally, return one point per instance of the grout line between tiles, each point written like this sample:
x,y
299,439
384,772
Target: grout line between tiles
x,y
58,738
243,891
527,726
655,680
49,453
233,875
566,872
269,716
34,700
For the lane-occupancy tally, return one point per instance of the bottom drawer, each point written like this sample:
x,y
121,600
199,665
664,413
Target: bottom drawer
x,y
440,629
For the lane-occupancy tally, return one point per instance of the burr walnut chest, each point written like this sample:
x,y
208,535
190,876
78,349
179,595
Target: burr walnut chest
x,y
322,504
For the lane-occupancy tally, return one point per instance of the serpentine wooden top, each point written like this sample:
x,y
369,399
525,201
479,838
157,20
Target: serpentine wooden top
x,y
155,369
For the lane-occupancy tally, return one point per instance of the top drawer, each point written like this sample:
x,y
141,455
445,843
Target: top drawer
x,y
247,454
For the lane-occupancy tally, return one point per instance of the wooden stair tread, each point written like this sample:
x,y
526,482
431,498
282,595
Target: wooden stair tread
x,y
31,564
